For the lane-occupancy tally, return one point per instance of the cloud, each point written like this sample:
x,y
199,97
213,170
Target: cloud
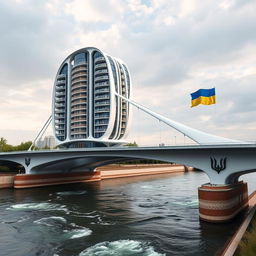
x,y
95,11
171,47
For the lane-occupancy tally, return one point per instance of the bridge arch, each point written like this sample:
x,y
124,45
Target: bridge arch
x,y
234,177
11,166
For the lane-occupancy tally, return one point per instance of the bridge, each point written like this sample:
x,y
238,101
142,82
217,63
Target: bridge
x,y
220,200
223,164
223,160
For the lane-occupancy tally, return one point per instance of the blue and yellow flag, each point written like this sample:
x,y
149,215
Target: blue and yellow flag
x,y
203,96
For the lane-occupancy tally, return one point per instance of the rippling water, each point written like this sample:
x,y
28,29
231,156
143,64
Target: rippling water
x,y
145,216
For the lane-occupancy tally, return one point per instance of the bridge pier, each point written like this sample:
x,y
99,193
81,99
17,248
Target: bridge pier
x,y
221,203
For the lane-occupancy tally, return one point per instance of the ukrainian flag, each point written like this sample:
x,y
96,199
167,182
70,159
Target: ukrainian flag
x,y
203,96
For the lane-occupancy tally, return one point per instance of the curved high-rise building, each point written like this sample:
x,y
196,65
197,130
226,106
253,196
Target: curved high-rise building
x,y
86,109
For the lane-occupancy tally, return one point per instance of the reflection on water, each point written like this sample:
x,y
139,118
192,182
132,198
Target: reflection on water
x,y
151,216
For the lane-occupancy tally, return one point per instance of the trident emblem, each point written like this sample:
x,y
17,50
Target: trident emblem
x,y
218,166
27,161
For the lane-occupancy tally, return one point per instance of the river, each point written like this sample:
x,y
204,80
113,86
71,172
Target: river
x,y
140,216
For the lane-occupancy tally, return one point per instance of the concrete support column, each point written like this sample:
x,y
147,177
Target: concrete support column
x,y
221,203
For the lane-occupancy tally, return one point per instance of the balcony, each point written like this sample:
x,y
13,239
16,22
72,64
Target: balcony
x,y
102,103
59,110
81,96
61,76
60,99
78,86
59,105
101,71
99,59
77,120
78,136
78,90
101,84
60,133
81,74
60,93
99,130
101,117
101,110
101,78
101,124
78,108
79,80
77,125
76,111
59,116
75,102
59,128
82,65
102,90
102,65
60,82
78,130
59,121
78,69
102,97
60,88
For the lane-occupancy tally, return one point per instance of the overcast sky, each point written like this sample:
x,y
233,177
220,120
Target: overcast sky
x,y
172,48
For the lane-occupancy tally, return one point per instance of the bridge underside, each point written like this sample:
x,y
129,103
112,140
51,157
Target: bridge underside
x,y
81,164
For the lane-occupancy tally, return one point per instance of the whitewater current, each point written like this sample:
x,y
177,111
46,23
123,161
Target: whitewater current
x,y
142,216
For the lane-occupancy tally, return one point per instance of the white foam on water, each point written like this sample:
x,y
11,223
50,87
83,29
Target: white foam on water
x,y
121,248
71,193
186,203
78,232
51,221
38,206
152,204
147,186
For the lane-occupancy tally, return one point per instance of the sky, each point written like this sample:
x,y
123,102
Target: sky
x,y
172,48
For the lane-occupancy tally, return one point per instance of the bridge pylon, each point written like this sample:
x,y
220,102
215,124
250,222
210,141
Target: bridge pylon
x,y
221,203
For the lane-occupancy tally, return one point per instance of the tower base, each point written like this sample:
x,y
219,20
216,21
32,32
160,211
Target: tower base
x,y
221,203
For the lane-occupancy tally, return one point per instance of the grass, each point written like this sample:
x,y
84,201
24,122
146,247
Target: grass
x,y
247,246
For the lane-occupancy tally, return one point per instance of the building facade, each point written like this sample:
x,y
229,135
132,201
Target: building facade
x,y
48,141
87,110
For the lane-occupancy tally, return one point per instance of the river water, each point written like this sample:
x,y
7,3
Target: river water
x,y
140,216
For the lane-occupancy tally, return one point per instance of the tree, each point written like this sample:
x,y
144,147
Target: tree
x,y
23,146
4,147
134,144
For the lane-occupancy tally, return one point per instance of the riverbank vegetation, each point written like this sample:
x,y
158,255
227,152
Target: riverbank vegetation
x,y
23,146
247,246
5,147
6,166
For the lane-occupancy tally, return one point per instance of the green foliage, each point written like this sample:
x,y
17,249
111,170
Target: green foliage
x,y
134,144
4,147
23,146
247,246
4,168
